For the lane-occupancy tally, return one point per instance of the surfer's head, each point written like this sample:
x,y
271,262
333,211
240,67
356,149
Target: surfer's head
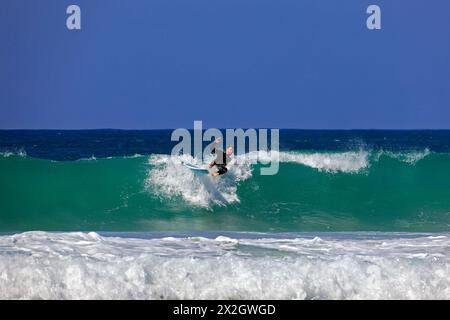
x,y
229,150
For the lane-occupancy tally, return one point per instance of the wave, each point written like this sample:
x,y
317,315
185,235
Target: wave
x,y
40,265
168,178
17,153
94,158
313,191
410,157
347,162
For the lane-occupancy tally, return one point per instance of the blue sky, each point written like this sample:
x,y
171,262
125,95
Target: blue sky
x,y
232,63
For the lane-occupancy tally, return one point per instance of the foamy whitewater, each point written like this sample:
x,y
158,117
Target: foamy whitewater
x,y
168,178
40,265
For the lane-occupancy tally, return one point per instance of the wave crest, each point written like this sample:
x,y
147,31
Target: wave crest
x,y
169,179
40,265
410,157
347,162
17,153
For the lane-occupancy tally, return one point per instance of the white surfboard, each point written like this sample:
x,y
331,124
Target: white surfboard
x,y
195,168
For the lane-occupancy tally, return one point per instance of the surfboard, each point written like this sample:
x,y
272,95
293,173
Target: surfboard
x,y
195,168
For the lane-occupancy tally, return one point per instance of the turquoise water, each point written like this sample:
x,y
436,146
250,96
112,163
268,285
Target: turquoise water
x,y
313,191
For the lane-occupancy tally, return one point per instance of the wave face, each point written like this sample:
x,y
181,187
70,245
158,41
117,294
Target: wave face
x,y
313,191
39,265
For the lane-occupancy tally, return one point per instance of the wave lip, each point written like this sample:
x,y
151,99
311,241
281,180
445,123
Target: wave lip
x,y
40,265
410,157
18,153
169,179
346,162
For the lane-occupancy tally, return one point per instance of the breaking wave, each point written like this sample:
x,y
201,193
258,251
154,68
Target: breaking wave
x,y
340,191
39,265
168,178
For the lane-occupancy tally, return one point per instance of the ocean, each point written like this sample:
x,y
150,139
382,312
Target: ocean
x,y
351,214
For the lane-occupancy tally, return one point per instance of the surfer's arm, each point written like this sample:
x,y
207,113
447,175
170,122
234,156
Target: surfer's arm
x,y
213,151
217,142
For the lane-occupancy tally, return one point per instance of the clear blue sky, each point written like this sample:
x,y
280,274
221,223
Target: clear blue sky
x,y
231,63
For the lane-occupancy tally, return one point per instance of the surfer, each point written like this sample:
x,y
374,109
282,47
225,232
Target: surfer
x,y
222,159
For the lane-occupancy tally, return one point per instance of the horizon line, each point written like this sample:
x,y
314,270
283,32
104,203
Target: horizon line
x,y
160,129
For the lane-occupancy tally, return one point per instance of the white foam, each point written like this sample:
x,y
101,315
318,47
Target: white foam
x,y
19,153
91,158
410,157
39,265
168,178
348,162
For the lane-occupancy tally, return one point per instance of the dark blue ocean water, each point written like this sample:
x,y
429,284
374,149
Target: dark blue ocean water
x,y
77,144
